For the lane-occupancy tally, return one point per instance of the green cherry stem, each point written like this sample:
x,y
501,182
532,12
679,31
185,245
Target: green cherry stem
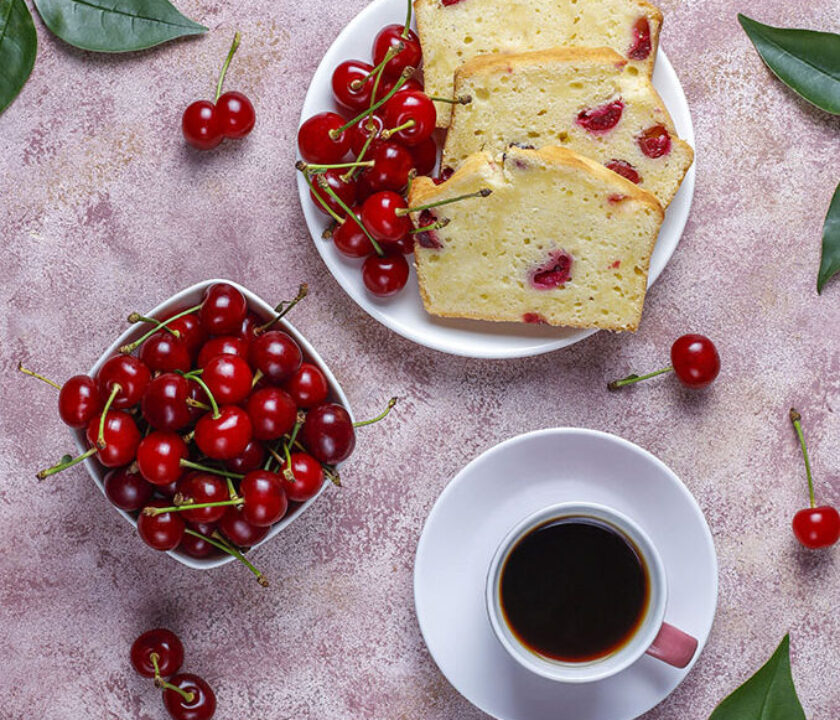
x,y
281,309
235,44
224,545
348,176
407,25
100,438
359,83
630,379
386,134
131,347
184,463
152,511
484,192
317,169
164,685
332,213
406,74
137,317
65,463
327,189
796,419
381,416
442,223
40,377
460,100
213,404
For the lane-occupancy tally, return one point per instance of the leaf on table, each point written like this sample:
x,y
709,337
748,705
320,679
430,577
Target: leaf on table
x,y
830,260
18,45
115,25
807,61
767,695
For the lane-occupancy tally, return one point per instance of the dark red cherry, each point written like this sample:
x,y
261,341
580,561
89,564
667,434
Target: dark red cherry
x,y
251,458
272,412
625,169
344,77
165,645
404,245
264,496
425,156
385,275
127,490
345,189
190,332
198,547
79,401
385,87
198,488
121,438
223,310
163,352
362,130
164,404
229,378
391,36
601,119
247,330
328,433
200,125
414,110
159,456
238,530
276,354
641,46
236,116
350,239
307,477
202,704
378,214
655,141
315,143
225,436
392,163
161,532
222,345
130,374
695,360
308,387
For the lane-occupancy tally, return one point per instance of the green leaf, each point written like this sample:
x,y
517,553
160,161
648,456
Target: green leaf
x,y
115,25
808,62
18,44
830,261
767,695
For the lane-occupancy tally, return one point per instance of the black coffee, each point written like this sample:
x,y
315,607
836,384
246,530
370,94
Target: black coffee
x,y
574,589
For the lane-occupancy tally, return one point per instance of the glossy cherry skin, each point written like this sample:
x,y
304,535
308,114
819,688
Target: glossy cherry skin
x,y
201,487
127,490
164,404
200,125
121,438
386,275
190,332
223,310
163,643
161,532
159,456
195,546
163,352
392,163
79,401
229,378
409,106
342,78
425,156
655,141
272,412
328,433
362,130
251,458
308,387
222,345
276,355
235,113
226,436
238,530
308,476
350,239
264,496
817,527
379,216
127,371
695,360
391,36
202,706
346,190
247,330
315,143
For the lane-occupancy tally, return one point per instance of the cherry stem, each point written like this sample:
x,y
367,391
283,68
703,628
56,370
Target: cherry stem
x,y
213,404
192,402
154,657
235,44
131,347
385,134
406,74
630,379
222,544
205,468
359,83
137,317
348,176
323,183
40,377
315,169
381,416
100,438
64,464
407,20
795,418
164,685
460,100
434,226
484,192
332,213
259,375
152,511
281,310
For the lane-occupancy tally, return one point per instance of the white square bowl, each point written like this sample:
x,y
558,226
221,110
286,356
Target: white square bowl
x,y
182,300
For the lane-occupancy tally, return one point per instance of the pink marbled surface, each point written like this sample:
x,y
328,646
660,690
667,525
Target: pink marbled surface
x,y
103,210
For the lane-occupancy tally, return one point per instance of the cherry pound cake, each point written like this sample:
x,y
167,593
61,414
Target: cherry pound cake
x,y
558,240
585,99
455,31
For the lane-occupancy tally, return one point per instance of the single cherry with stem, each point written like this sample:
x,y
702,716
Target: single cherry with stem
x,y
161,531
385,275
127,489
78,398
223,310
323,138
350,238
165,402
304,476
275,354
126,373
402,37
188,697
694,360
157,653
814,527
409,117
159,456
223,433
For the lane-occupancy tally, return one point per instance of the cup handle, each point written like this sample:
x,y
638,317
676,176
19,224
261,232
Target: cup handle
x,y
673,646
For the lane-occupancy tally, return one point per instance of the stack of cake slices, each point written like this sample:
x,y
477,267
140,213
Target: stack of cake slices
x,y
581,155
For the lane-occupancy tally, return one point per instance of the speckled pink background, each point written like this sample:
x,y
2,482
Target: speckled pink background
x,y
104,210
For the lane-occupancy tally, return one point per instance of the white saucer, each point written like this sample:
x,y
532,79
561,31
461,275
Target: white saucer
x,y
404,313
504,485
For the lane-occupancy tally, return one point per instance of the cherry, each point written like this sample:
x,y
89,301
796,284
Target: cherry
x,y
601,119
554,273
350,85
199,488
425,156
345,189
190,332
162,532
264,496
247,330
272,412
78,401
164,404
249,459
328,433
223,435
315,143
694,360
127,490
363,190
163,352
363,129
409,85
198,547
235,113
200,125
350,239
238,530
391,165
379,216
385,275
404,245
121,438
641,46
222,345
168,490
625,169
410,117
223,310
159,456
276,355
199,703
229,378
130,374
308,387
165,646
305,479
655,141
391,36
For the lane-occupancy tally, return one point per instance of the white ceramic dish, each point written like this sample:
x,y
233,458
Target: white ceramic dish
x,y
184,299
510,482
404,313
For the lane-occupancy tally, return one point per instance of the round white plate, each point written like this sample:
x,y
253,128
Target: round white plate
x,y
404,313
511,481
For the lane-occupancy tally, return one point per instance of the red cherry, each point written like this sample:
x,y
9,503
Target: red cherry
x,y
198,488
272,412
379,216
425,156
161,532
641,46
229,378
238,530
264,496
79,401
391,36
385,275
308,387
344,76
412,107
235,113
655,141
163,352
392,163
601,119
223,310
164,404
817,527
409,85
167,491
121,438
695,360
364,128
130,374
225,436
308,476
190,332
350,239
315,143
404,245
200,125
251,458
222,345
198,547
625,169
202,704
159,456
165,645
328,433
247,330
276,355
346,190
127,490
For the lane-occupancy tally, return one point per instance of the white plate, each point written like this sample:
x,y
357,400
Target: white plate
x,y
511,481
404,313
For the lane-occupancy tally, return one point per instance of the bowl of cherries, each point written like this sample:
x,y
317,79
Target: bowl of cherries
x,y
210,424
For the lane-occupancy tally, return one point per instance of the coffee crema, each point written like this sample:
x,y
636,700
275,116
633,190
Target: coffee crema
x,y
574,589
